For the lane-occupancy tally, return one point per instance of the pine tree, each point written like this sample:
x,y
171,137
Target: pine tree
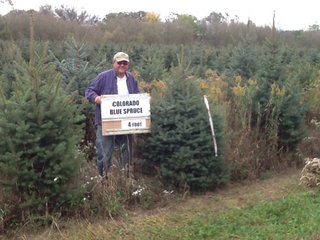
x,y
76,68
181,142
291,118
10,55
281,121
77,72
39,134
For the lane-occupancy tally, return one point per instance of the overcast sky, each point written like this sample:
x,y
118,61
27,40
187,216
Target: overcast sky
x,y
289,15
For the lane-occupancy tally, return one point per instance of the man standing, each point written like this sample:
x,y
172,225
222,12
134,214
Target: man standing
x,y
113,81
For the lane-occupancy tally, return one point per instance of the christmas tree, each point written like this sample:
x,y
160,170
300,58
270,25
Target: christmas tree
x,y
181,142
39,135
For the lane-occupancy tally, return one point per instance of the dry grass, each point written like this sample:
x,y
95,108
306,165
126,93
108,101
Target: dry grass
x,y
311,172
137,223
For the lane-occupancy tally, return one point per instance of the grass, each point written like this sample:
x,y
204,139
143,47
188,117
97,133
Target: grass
x,y
275,208
297,216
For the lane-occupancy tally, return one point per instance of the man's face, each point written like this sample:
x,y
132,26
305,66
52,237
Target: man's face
x,y
120,67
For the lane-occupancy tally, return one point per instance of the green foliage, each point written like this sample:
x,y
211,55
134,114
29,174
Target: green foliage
x,y
291,120
4,31
312,97
181,141
243,62
152,67
10,56
76,70
38,141
279,103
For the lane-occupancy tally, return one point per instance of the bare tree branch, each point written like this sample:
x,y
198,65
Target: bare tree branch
x,y
7,1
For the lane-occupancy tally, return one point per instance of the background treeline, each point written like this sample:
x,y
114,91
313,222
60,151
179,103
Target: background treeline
x,y
216,30
262,85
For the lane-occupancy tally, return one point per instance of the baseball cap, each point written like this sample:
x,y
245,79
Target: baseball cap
x,y
121,56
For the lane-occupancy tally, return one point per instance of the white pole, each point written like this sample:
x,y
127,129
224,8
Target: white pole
x,y
211,125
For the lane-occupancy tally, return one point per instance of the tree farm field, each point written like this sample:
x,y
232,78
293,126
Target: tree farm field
x,y
277,207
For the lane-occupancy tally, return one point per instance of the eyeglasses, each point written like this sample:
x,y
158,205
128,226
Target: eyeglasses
x,y
123,63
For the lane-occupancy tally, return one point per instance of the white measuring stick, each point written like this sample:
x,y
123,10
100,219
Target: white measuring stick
x,y
211,125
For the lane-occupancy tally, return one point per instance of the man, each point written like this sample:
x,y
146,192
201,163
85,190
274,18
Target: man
x,y
113,81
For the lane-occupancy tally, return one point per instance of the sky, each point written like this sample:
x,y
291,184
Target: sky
x,y
289,15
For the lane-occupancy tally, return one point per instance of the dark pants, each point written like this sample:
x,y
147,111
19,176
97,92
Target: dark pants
x,y
104,149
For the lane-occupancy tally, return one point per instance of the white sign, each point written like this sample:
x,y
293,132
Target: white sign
x,y
125,106
125,114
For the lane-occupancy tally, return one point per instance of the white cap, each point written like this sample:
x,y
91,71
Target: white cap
x,y
121,56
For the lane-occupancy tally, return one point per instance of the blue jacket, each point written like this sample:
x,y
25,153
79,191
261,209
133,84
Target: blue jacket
x,y
106,83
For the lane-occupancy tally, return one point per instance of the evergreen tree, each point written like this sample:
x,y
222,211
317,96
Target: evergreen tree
x,y
39,134
10,55
181,142
152,67
77,73
291,119
243,62
278,101
76,68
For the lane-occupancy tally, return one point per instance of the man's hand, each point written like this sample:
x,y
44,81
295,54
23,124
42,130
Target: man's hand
x,y
97,100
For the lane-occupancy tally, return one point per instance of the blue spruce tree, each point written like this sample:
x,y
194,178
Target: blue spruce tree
x,y
181,142
39,134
